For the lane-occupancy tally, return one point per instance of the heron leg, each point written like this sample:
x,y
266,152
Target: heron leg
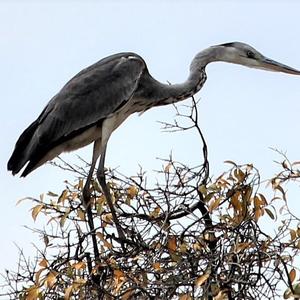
x,y
86,195
102,181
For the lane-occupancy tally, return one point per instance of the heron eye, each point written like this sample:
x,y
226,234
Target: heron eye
x,y
250,54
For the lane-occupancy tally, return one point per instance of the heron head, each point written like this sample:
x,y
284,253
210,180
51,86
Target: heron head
x,y
243,54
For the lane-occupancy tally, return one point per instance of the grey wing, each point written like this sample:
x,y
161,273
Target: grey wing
x,y
89,97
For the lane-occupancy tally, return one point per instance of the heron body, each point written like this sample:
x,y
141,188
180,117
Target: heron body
x,y
99,98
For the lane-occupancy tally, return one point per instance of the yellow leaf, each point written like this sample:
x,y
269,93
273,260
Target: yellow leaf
x,y
292,275
172,244
36,210
201,279
214,204
32,293
51,279
79,265
63,196
43,263
81,214
132,191
68,292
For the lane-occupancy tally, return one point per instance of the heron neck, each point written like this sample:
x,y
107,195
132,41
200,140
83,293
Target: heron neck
x,y
197,77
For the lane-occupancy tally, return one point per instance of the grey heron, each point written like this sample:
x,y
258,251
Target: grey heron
x,y
99,98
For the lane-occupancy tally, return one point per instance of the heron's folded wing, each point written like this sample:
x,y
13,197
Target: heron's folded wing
x,y
90,96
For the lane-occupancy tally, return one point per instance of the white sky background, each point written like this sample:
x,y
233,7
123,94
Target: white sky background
x,y
243,111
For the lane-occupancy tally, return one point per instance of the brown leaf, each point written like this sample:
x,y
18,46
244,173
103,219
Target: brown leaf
x,y
201,279
32,293
132,191
68,292
172,244
81,214
51,279
185,297
127,295
292,275
63,196
214,204
167,168
80,265
293,234
43,263
156,266
64,217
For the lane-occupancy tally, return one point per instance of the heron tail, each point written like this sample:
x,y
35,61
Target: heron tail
x,y
20,154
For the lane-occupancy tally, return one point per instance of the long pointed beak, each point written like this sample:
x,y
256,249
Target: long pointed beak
x,y
272,65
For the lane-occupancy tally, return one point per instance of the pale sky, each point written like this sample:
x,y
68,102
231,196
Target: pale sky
x,y
243,111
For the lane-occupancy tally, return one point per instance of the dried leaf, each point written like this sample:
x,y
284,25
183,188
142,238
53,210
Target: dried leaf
x,y
172,244
127,295
292,275
167,168
239,175
43,263
155,212
241,246
132,191
185,297
156,266
258,213
63,196
80,265
202,189
293,234
46,240
214,204
64,217
68,292
107,218
81,214
201,279
51,279
32,293
36,210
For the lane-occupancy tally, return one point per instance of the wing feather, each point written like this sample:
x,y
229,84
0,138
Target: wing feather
x,y
89,97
